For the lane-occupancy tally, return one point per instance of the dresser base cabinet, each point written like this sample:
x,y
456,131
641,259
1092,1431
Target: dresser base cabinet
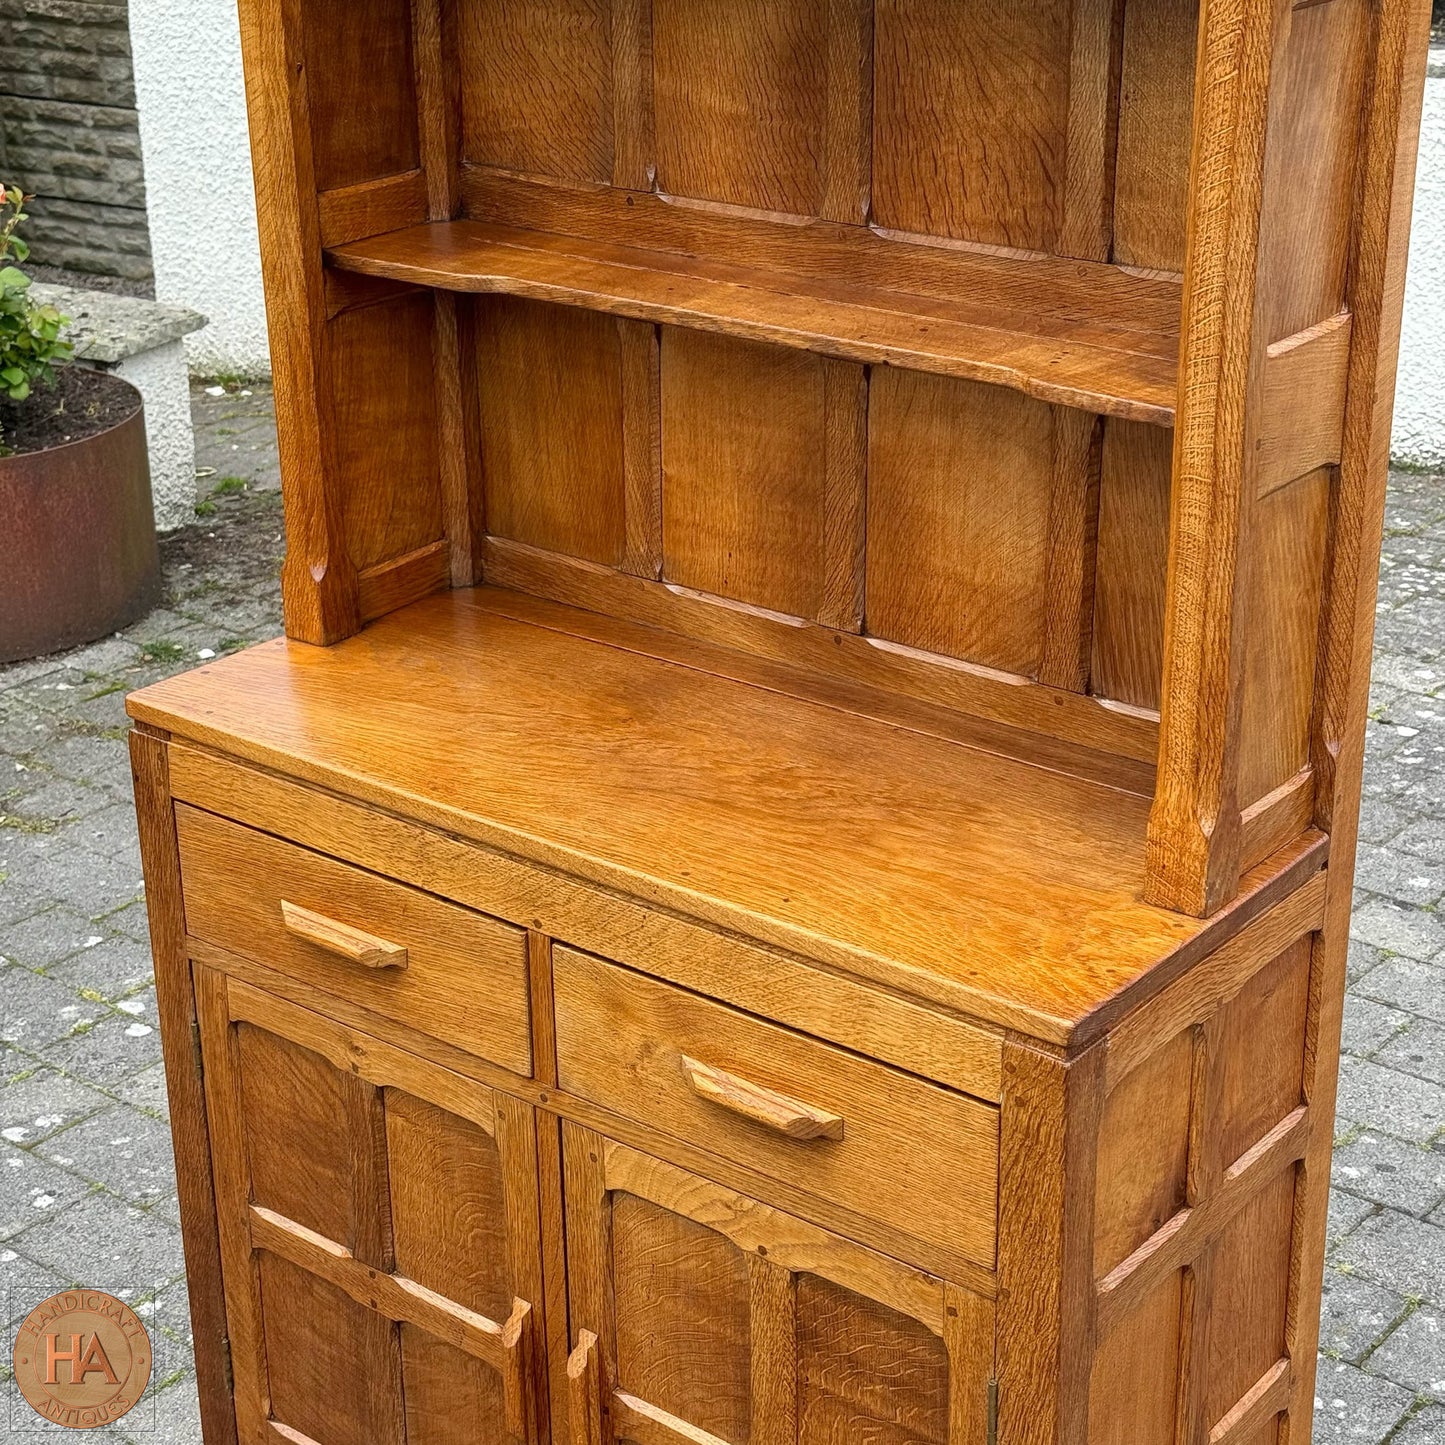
x,y
419,1245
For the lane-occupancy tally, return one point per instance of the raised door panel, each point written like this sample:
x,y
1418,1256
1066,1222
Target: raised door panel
x,y
700,1316
380,1235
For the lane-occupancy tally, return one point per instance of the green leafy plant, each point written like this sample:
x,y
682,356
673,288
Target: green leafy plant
x,y
30,344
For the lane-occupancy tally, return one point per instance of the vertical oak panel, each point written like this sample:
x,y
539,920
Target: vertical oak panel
x,y
744,459
740,101
1072,546
1285,587
960,481
388,466
642,445
1130,564
971,119
537,87
552,438
1156,113
362,90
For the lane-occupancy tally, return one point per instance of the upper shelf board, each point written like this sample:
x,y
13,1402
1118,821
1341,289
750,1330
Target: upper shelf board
x,y
1072,333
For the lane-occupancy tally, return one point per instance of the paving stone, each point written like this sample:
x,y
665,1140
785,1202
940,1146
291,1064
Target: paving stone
x,y
46,938
1400,1104
33,1191
1399,928
115,1049
1414,1354
1418,1049
1397,1251
147,1090
34,1106
23,1285
106,1243
1346,1213
1355,1314
1387,1171
1426,1428
1400,876
1369,1025
176,1419
36,1010
1425,838
1353,1408
1409,985
118,967
126,1151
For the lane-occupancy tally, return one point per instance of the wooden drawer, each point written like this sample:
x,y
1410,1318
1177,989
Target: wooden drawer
x,y
884,1145
462,978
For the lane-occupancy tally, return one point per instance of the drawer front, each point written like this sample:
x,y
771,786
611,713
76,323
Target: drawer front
x,y
858,1134
456,975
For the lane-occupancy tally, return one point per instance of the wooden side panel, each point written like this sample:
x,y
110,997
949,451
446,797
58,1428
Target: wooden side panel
x,y
1143,1153
1285,585
1156,116
537,86
959,486
743,470
1250,1288
361,90
681,1303
1133,1390
388,470
1261,1052
741,102
1314,127
1132,558
971,119
552,437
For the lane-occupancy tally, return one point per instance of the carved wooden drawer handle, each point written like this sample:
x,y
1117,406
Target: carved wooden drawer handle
x,y
776,1111
584,1390
341,939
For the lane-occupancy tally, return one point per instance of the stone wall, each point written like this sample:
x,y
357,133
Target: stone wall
x,y
69,133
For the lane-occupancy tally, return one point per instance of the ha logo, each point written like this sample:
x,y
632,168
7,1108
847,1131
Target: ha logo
x,y
82,1359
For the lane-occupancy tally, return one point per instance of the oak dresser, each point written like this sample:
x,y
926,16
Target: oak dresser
x,y
788,883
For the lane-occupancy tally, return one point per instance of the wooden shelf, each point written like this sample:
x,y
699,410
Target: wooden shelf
x,y
689,776
1069,332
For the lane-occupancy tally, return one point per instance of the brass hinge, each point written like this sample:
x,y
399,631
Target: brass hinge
x,y
993,1412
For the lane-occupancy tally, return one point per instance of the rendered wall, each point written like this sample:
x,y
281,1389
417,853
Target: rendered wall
x,y
198,177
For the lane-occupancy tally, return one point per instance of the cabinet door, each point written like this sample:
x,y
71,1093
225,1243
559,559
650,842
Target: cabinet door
x,y
702,1316
379,1234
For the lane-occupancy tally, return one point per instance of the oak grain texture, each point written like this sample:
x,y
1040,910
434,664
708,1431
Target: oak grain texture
x,y
627,1042
1029,325
762,847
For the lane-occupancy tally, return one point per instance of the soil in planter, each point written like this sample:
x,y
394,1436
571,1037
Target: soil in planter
x,y
80,404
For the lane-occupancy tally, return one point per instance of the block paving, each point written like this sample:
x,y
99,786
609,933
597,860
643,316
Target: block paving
x,y
87,1187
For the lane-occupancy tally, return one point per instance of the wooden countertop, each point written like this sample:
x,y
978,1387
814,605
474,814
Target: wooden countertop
x,y
1005,888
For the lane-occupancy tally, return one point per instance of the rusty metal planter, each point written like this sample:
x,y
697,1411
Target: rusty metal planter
x,y
78,553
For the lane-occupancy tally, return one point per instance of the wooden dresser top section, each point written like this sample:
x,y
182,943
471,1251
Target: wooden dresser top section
x,y
1004,888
